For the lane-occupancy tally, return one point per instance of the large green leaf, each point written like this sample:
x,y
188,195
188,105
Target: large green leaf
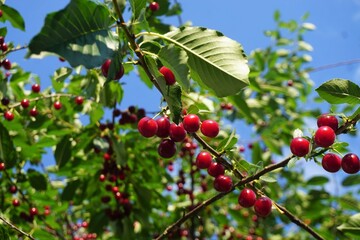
x,y
352,226
214,60
7,149
13,16
37,180
79,33
337,91
137,6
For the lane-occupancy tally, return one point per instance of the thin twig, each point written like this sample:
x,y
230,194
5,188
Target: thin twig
x,y
334,65
12,226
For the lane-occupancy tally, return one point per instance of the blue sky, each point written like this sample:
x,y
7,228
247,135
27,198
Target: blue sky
x,y
336,39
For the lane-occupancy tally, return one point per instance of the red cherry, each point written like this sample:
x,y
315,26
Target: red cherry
x,y
105,69
6,64
167,148
2,39
79,100
300,146
84,224
147,127
203,160
33,112
107,157
2,166
25,103
154,6
177,132
215,169
8,115
57,105
210,128
191,123
350,163
47,211
1,13
247,198
263,206
222,183
324,136
331,162
168,75
102,177
33,211
35,88
5,101
4,47
13,189
328,120
163,127
15,202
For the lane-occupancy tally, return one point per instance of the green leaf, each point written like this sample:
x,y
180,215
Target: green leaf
x,y
317,180
7,148
37,180
172,94
175,59
242,107
4,233
3,31
79,33
69,191
351,226
119,150
337,91
214,60
62,73
268,179
13,16
98,221
228,143
96,113
63,151
111,93
351,180
137,6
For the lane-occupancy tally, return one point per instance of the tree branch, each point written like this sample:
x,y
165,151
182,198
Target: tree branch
x,y
12,226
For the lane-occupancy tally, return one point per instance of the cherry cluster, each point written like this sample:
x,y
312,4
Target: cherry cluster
x,y
324,137
262,205
25,103
5,63
172,132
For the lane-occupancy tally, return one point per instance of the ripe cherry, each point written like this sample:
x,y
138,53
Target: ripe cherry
x,y
107,156
105,69
191,123
79,100
331,162
4,47
102,177
1,13
33,112
35,88
324,136
247,198
8,115
25,103
263,206
2,40
328,120
12,189
57,105
215,169
2,166
300,146
203,160
210,128
147,127
6,64
33,211
15,202
168,75
163,127
167,148
350,163
154,6
177,132
5,101
222,183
